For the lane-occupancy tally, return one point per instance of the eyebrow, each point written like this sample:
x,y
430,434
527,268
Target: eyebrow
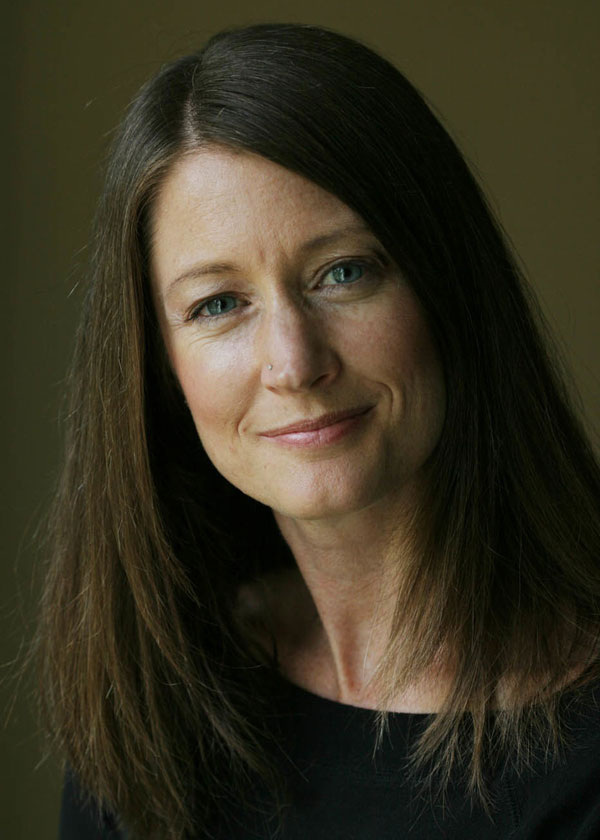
x,y
313,244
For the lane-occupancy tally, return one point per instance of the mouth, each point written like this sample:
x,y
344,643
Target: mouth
x,y
317,423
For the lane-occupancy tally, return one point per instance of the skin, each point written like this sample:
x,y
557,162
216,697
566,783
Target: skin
x,y
336,339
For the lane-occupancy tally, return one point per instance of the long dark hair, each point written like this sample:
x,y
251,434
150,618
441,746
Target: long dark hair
x,y
145,669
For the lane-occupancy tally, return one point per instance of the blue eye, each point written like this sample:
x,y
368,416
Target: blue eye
x,y
345,273
216,306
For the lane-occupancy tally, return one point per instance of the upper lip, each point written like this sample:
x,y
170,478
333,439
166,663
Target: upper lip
x,y
311,425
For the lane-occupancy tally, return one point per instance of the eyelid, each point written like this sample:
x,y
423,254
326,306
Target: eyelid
x,y
193,313
363,262
370,264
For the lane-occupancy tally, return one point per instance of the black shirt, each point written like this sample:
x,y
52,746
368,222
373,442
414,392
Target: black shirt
x,y
340,792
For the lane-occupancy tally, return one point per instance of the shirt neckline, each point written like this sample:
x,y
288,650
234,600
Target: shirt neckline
x,y
326,704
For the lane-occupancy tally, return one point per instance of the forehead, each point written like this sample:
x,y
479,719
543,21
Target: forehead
x,y
216,173
219,196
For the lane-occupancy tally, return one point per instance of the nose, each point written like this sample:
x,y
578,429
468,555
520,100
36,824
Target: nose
x,y
296,352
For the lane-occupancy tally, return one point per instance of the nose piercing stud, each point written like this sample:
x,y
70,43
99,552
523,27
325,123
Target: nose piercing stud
x,y
269,367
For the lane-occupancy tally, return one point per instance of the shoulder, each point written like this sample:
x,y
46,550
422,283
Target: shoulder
x,y
81,816
557,796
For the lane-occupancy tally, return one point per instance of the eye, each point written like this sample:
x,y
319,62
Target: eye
x,y
213,308
344,274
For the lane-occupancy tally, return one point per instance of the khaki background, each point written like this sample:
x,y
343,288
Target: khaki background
x,y
517,84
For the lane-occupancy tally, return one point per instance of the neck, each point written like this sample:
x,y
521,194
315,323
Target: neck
x,y
345,592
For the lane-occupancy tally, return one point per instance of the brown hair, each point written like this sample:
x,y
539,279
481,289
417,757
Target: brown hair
x,y
145,671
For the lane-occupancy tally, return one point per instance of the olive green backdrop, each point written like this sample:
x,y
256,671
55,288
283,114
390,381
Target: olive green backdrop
x,y
517,84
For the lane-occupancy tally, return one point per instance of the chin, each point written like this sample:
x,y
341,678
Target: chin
x,y
334,502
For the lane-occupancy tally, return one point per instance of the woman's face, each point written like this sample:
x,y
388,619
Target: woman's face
x,y
278,307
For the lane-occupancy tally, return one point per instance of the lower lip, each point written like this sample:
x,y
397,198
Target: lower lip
x,y
321,437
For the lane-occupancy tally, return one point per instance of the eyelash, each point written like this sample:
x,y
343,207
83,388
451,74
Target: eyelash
x,y
194,314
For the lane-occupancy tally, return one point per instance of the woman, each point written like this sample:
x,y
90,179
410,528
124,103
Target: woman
x,y
326,546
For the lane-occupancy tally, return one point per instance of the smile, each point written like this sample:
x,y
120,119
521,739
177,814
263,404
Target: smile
x,y
329,428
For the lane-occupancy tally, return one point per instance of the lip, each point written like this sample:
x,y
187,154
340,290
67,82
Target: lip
x,y
317,423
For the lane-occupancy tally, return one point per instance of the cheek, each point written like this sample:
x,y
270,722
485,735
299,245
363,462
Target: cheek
x,y
428,388
213,387
406,359
394,343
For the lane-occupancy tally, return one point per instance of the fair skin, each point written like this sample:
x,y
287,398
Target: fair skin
x,y
240,285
